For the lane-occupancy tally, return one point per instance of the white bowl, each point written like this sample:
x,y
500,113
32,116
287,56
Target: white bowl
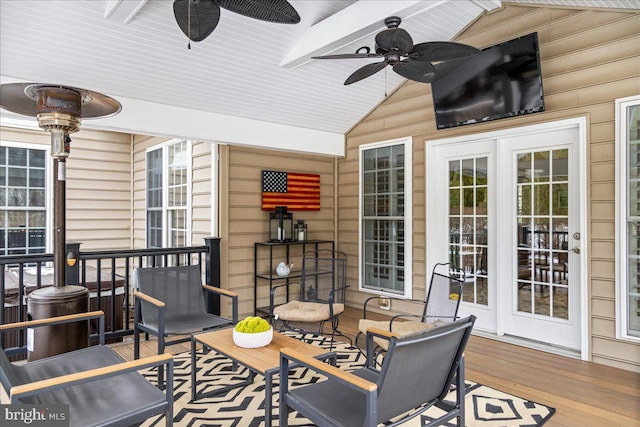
x,y
255,340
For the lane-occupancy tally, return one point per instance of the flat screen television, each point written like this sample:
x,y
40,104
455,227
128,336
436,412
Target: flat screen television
x,y
502,81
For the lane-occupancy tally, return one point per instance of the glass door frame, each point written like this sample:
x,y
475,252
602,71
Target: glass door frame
x,y
435,220
438,234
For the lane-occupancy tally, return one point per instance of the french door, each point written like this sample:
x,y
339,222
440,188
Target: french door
x,y
506,209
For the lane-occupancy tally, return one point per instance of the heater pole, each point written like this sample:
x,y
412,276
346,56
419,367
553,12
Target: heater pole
x,y
59,221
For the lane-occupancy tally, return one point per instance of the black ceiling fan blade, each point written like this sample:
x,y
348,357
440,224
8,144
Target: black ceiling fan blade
x,y
348,56
419,71
364,72
395,39
441,51
278,11
446,67
204,18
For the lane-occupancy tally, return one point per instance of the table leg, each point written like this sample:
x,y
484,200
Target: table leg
x,y
268,396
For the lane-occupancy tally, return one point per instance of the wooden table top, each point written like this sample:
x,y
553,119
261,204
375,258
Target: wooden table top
x,y
260,359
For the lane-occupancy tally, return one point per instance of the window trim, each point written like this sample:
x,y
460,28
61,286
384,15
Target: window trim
x,y
165,190
621,280
48,185
408,215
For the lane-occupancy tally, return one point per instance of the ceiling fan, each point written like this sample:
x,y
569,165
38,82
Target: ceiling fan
x,y
198,18
413,62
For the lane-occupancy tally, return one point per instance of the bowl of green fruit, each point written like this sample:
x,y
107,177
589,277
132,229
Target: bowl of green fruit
x,y
252,332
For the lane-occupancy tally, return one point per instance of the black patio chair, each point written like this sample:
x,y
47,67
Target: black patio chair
x,y
321,297
439,308
100,387
171,301
416,374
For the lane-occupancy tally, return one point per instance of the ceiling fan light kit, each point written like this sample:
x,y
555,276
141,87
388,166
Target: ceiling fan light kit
x,y
413,62
198,18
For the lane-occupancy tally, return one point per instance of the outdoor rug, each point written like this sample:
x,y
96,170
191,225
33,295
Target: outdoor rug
x,y
244,406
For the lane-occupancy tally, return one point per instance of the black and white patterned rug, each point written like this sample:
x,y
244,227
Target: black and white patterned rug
x,y
244,406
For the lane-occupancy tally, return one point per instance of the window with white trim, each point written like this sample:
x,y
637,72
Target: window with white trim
x,y
385,218
628,225
24,198
168,194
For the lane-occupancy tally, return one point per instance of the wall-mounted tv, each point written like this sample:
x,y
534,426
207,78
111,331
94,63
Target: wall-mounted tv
x,y
502,81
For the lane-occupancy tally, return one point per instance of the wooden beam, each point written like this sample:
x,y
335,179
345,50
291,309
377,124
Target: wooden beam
x,y
123,11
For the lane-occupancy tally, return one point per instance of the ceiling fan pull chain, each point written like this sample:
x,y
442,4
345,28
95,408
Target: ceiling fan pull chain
x,y
385,82
189,25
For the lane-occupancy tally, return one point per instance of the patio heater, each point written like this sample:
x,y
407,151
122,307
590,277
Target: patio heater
x,y
59,110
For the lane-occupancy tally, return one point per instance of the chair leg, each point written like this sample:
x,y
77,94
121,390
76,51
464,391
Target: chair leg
x,y
136,331
460,393
136,343
161,346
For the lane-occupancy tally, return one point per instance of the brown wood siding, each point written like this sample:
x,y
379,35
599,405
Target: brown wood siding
x,y
589,58
97,187
243,222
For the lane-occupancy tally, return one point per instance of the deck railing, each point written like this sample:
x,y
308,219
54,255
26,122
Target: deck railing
x,y
106,274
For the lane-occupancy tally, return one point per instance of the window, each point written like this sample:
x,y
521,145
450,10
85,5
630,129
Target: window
x,y
168,180
23,199
385,217
628,213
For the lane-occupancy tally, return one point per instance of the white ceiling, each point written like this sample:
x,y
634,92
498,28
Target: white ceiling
x,y
140,53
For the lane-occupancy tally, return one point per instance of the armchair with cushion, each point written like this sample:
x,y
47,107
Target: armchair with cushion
x,y
439,308
322,293
100,387
416,374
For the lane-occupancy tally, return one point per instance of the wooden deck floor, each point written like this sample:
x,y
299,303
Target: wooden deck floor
x,y
584,394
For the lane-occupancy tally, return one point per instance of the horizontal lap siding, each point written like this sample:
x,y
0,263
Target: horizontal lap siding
x,y
97,186
243,221
589,58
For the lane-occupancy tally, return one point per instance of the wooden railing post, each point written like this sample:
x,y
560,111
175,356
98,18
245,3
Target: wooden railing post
x,y
212,272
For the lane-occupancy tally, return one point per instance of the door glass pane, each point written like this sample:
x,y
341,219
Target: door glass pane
x,y
454,174
468,225
542,216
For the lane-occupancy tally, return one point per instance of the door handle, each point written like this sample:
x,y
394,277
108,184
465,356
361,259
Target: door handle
x,y
575,250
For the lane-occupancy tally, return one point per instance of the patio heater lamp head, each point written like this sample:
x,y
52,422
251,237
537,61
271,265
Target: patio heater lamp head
x,y
59,109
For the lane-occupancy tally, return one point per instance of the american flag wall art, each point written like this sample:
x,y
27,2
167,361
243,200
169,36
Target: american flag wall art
x,y
296,191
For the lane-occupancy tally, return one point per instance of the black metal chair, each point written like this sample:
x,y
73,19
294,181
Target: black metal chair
x,y
100,387
439,308
416,374
321,297
171,301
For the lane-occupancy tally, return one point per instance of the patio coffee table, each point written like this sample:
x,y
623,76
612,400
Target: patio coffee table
x,y
262,360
